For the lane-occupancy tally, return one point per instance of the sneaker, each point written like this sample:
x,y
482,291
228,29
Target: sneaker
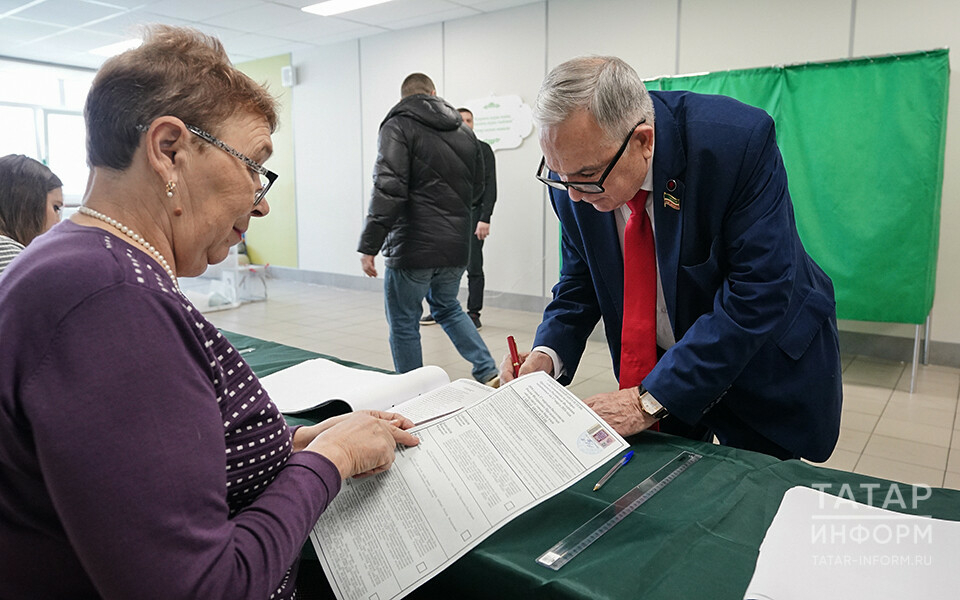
x,y
428,319
475,317
493,382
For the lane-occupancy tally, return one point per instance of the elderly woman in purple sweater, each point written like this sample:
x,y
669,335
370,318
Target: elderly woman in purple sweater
x,y
139,455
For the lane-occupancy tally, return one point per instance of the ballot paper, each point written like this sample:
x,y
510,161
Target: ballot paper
x,y
472,473
310,383
442,401
830,548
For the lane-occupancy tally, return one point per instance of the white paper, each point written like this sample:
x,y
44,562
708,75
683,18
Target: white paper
x,y
473,472
827,547
310,383
443,401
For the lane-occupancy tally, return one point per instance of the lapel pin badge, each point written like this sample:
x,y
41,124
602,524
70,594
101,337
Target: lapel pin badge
x,y
669,200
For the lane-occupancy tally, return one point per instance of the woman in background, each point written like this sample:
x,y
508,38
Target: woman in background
x,y
30,203
139,455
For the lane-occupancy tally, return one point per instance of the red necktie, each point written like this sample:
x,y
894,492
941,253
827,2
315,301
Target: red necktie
x,y
638,338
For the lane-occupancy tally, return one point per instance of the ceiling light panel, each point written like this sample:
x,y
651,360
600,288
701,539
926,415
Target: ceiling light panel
x,y
68,13
336,7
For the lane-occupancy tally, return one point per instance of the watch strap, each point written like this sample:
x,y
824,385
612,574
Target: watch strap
x,y
650,405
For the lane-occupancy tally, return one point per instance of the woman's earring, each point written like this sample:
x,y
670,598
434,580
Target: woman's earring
x,y
170,187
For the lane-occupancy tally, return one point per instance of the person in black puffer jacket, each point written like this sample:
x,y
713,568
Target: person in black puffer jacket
x,y
427,179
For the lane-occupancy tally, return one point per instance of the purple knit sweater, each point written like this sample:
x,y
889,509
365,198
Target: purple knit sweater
x,y
139,455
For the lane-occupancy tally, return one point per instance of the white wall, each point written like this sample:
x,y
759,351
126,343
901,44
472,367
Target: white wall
x,y
642,33
523,224
508,52
327,142
716,36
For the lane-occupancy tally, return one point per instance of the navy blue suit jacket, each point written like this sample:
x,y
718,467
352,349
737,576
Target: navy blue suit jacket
x,y
754,316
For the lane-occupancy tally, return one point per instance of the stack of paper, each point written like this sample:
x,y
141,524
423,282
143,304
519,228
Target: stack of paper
x,y
826,547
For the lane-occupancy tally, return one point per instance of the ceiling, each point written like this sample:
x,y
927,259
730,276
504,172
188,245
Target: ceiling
x,y
64,31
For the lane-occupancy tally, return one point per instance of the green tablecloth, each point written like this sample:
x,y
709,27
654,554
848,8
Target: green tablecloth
x,y
698,538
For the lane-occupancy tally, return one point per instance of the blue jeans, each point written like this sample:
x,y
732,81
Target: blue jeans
x,y
403,294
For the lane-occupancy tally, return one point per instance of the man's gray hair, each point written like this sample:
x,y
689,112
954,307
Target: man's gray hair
x,y
605,86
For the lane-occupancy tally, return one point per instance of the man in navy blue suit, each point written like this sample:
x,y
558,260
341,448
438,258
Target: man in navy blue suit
x,y
746,327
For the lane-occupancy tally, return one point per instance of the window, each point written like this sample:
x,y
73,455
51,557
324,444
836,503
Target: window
x,y
19,131
41,109
67,151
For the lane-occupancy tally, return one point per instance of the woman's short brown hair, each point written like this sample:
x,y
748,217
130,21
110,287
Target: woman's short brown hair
x,y
24,185
177,71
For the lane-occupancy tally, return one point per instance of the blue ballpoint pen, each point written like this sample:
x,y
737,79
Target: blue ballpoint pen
x,y
626,458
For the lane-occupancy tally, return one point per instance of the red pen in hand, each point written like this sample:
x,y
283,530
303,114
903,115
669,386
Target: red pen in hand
x,y
514,356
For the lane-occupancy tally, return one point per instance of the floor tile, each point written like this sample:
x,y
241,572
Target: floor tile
x,y
871,371
952,481
953,461
601,359
591,387
911,410
866,391
332,348
870,400
367,344
920,400
846,359
932,382
852,440
904,430
588,371
898,471
851,419
915,453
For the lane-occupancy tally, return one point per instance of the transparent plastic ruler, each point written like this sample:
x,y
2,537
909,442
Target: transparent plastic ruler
x,y
575,543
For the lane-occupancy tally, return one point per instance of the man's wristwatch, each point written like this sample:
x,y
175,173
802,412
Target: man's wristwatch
x,y
650,405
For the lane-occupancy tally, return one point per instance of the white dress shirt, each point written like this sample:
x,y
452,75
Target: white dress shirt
x,y
665,338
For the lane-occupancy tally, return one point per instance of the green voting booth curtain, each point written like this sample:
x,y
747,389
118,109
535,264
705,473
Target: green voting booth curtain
x,y
863,143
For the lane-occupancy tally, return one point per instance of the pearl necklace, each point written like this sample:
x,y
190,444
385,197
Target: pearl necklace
x,y
135,237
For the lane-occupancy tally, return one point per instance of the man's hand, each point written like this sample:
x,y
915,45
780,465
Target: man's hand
x,y
483,230
529,362
621,410
366,262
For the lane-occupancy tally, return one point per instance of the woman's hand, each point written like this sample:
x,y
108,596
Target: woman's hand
x,y
306,433
362,443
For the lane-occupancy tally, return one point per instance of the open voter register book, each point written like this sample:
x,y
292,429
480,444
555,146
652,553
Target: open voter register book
x,y
420,395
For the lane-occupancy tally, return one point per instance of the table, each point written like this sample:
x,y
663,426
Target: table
x,y
697,538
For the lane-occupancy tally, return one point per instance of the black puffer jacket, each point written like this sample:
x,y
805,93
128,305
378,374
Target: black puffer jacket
x,y
428,176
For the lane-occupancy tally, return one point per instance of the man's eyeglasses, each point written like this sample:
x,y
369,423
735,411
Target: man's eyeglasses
x,y
267,177
586,187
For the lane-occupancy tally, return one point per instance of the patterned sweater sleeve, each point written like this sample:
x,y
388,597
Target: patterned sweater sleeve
x,y
130,440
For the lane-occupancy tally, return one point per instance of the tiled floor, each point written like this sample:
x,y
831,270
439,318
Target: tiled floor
x,y
885,432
